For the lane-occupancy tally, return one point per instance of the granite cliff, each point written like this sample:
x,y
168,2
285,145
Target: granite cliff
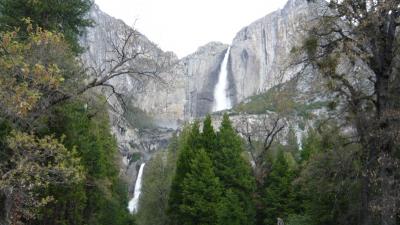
x,y
258,61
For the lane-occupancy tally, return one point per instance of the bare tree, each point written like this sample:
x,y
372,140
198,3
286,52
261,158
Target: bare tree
x,y
129,54
260,135
128,58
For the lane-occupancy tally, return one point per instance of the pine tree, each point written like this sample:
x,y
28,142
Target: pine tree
x,y
330,181
82,203
278,193
189,140
66,17
233,210
208,136
222,161
194,138
233,171
201,193
229,163
311,145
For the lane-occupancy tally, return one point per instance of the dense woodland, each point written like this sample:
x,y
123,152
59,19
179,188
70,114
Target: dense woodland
x,y
346,170
58,159
206,178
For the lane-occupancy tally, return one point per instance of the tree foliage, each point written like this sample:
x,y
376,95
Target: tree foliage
x,y
211,168
330,178
33,71
278,194
102,197
354,45
156,187
185,155
35,164
57,161
234,172
201,192
66,17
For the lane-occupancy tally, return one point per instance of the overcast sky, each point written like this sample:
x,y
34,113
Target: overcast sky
x,y
182,26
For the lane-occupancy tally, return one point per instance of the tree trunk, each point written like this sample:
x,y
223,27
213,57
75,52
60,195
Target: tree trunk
x,y
365,216
386,163
388,202
368,158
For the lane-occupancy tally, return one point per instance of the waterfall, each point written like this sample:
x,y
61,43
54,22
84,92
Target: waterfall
x,y
221,98
134,202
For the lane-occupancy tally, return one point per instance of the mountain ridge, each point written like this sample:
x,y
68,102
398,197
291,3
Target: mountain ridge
x,y
258,54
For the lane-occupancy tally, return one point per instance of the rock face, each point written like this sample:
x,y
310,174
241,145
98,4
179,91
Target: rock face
x,y
135,145
185,91
259,60
260,51
256,63
202,69
187,88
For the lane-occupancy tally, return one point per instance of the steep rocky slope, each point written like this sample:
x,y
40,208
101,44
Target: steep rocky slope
x,y
258,61
260,52
135,145
184,90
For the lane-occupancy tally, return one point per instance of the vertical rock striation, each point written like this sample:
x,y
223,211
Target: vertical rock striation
x,y
260,51
257,62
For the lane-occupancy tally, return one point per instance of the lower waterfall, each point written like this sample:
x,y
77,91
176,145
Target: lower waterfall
x,y
221,98
134,202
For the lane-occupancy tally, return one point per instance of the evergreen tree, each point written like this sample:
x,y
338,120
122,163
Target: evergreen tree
x,y
330,179
233,171
194,138
278,193
66,17
102,197
229,164
311,145
231,209
156,186
208,136
188,141
225,164
38,67
201,193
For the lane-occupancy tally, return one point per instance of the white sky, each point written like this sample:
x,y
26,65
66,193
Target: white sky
x,y
182,26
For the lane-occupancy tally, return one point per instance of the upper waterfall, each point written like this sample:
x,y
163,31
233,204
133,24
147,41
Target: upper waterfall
x,y
221,98
134,202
